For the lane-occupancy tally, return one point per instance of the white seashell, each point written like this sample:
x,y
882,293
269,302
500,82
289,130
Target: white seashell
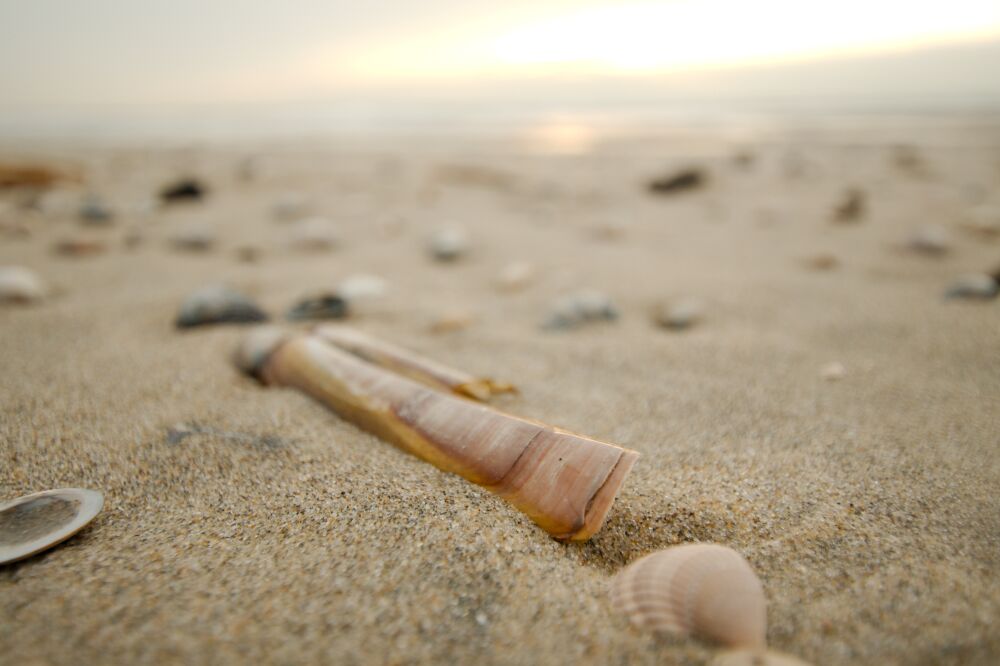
x,y
449,244
580,307
974,286
704,590
33,523
756,658
362,287
19,285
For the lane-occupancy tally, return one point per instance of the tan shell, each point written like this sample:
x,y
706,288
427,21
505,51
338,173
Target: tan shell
x,y
705,590
34,523
756,657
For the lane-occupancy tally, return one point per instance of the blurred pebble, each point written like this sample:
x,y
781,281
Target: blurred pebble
x,y
682,181
580,308
184,190
852,207
609,231
314,234
452,322
78,247
822,262
217,304
931,239
974,286
19,285
448,245
833,371
984,221
194,239
515,276
324,306
681,314
290,206
361,287
248,254
133,238
93,211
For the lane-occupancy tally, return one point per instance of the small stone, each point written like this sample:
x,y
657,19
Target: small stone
x,y
448,245
78,247
582,307
361,290
452,322
932,240
833,371
218,304
133,238
290,206
984,221
821,262
852,207
20,286
249,254
324,306
681,314
974,286
94,212
481,618
515,276
184,190
314,234
194,239
683,181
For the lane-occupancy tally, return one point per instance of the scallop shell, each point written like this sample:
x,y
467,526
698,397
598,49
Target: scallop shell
x,y
33,523
756,657
705,590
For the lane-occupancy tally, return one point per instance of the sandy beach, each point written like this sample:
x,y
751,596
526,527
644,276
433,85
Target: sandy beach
x,y
246,524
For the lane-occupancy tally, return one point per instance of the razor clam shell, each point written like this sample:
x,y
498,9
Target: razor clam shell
x,y
564,482
424,370
705,590
37,522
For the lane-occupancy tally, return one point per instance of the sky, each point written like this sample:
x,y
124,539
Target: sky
x,y
95,56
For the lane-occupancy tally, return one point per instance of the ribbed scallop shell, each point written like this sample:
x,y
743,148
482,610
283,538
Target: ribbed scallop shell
x,y
705,590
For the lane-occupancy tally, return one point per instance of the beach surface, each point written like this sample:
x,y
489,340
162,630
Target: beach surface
x,y
247,524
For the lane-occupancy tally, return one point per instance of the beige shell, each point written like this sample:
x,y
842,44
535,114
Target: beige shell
x,y
756,657
34,523
705,590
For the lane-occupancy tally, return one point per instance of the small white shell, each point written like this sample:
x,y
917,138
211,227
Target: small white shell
x,y
33,523
705,590
756,658
19,285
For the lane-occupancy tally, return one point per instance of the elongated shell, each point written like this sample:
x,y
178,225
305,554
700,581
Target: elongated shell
x,y
564,482
34,523
402,361
704,590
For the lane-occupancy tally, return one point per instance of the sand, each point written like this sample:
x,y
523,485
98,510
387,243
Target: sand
x,y
279,533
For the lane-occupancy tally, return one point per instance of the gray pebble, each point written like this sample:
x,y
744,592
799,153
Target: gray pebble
x,y
93,211
194,239
581,307
932,239
681,314
324,306
448,245
975,286
217,304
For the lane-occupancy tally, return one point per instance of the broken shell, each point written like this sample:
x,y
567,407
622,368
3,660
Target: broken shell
x,y
515,276
324,306
33,523
756,657
564,482
408,364
704,590
579,308
218,304
19,285
974,286
681,314
449,245
932,239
